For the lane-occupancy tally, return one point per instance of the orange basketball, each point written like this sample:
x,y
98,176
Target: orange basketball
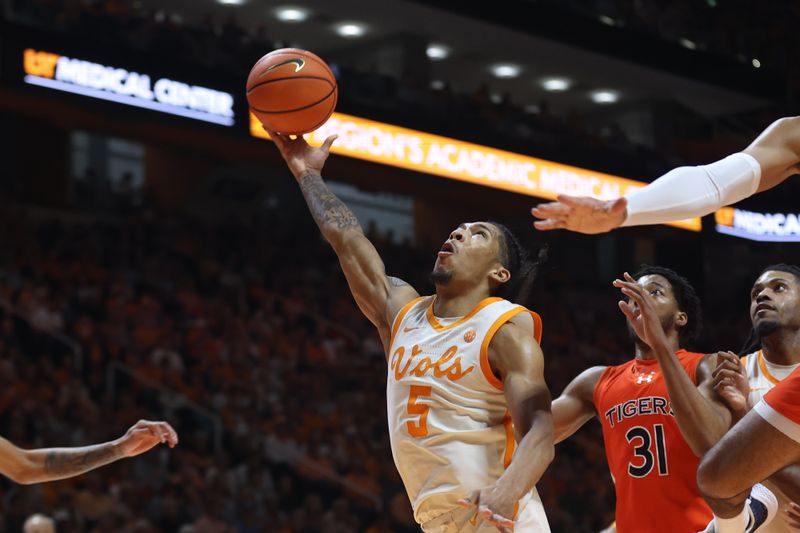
x,y
291,91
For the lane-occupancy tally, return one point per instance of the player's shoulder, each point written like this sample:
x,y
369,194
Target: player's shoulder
x,y
585,383
686,354
592,375
513,336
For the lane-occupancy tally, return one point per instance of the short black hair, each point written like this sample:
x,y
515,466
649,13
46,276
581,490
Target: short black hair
x,y
685,295
517,260
753,342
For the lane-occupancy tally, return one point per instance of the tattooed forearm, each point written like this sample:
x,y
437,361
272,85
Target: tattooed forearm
x,y
329,212
67,462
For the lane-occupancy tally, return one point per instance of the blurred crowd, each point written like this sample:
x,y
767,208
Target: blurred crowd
x,y
244,326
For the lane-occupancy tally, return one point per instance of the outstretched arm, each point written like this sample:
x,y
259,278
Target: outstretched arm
x,y
517,357
49,464
575,406
380,297
685,192
700,414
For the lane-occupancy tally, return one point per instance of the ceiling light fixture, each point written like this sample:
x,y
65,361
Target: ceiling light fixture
x,y
351,29
604,96
437,51
556,84
506,70
291,14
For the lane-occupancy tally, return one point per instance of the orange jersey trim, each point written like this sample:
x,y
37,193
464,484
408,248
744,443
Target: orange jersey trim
x,y
762,365
439,327
486,367
399,319
511,442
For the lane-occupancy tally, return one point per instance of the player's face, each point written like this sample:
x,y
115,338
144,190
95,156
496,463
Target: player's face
x,y
660,290
774,302
469,253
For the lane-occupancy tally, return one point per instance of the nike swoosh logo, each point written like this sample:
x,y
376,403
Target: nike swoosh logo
x,y
298,64
406,330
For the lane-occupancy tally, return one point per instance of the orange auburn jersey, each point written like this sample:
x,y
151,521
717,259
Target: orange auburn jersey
x,y
654,469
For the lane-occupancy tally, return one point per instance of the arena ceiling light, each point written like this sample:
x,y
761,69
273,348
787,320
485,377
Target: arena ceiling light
x,y
350,30
556,84
291,14
608,21
437,52
688,43
231,2
506,70
437,85
604,96
756,63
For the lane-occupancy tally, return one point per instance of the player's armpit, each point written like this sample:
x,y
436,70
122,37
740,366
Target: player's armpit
x,y
575,406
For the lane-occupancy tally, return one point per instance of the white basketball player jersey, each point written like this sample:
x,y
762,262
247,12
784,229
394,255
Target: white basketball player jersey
x,y
449,424
762,376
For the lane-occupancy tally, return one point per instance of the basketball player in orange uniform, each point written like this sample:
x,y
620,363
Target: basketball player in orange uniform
x,y
658,412
50,464
465,377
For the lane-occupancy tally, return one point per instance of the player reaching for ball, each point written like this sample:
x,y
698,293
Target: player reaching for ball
x,y
685,192
50,464
465,370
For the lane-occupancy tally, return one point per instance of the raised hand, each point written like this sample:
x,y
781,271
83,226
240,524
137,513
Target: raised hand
x,y
580,213
145,434
641,313
301,157
730,383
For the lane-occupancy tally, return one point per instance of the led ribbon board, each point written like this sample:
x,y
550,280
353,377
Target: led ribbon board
x,y
114,84
450,158
767,227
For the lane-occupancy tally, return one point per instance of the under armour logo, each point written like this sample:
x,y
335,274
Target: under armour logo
x,y
645,378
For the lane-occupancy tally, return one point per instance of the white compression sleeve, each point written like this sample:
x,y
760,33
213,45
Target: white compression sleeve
x,y
688,192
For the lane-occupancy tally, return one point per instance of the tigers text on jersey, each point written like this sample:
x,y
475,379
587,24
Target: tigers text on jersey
x,y
653,467
449,424
762,377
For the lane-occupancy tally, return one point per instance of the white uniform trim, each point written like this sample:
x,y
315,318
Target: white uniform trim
x,y
778,421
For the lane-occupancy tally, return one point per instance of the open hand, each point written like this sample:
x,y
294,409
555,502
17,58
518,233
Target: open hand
x,y
301,157
580,213
641,313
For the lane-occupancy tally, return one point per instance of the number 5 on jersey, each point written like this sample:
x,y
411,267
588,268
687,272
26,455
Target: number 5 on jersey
x,y
418,429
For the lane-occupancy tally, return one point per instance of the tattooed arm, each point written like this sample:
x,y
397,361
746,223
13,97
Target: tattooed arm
x,y
49,464
380,297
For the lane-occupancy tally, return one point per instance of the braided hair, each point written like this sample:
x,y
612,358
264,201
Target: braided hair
x,y
519,262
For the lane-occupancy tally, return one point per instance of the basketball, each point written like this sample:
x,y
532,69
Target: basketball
x,y
291,91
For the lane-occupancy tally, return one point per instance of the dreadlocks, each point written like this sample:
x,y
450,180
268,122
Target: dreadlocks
x,y
514,257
